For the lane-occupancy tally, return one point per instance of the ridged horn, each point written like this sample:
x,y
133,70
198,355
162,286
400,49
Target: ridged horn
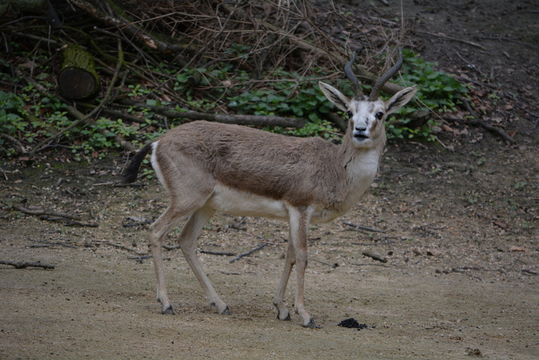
x,y
350,73
385,77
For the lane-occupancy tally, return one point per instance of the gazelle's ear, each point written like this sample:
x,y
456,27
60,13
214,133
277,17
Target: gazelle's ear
x,y
400,99
335,96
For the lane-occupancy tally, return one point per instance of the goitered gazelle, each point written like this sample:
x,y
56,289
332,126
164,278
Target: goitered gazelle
x,y
207,167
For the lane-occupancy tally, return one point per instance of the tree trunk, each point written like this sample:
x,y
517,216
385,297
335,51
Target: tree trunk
x,y
77,78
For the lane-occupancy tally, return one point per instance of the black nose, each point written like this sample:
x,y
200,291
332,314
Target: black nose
x,y
359,133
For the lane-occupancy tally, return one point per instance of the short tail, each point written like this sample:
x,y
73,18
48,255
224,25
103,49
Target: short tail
x,y
131,172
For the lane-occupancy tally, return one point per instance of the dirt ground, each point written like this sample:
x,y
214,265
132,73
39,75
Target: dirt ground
x,y
460,234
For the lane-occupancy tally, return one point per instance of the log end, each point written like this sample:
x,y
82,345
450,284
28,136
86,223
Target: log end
x,y
76,83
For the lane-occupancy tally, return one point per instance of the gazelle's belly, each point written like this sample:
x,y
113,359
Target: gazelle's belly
x,y
241,203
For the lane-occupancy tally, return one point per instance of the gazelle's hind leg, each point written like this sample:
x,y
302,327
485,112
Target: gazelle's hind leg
x,y
190,234
188,195
159,229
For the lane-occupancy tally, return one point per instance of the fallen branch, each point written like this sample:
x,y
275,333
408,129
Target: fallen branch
x,y
40,212
258,248
479,123
208,252
362,228
217,253
257,120
23,265
67,219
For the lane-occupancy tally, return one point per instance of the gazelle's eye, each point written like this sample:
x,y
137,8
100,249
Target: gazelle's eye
x,y
349,114
379,115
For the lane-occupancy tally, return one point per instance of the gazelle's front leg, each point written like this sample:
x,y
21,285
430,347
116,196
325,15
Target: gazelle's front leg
x,y
278,300
299,221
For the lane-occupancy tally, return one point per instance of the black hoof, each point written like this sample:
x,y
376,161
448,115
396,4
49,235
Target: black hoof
x,y
226,311
311,325
168,310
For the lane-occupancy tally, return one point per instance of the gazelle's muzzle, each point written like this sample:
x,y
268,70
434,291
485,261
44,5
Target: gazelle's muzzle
x,y
360,134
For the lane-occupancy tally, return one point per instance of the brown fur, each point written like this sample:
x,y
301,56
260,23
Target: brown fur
x,y
307,173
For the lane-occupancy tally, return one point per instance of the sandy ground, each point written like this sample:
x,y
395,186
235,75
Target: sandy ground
x,y
461,278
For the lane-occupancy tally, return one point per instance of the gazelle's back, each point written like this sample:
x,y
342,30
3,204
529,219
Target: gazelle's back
x,y
271,165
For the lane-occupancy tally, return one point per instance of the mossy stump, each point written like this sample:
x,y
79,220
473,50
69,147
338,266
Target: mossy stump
x,y
77,78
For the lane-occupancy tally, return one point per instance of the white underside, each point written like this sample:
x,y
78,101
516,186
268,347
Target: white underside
x,y
240,203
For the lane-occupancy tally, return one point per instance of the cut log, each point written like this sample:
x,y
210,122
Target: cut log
x,y
77,79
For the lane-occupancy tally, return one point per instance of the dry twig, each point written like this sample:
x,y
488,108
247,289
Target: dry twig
x,y
479,123
49,215
25,264
247,253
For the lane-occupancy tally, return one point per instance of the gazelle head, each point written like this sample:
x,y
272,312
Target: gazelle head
x,y
366,114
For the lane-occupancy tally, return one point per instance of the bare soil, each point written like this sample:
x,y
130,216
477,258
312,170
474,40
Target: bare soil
x,y
460,234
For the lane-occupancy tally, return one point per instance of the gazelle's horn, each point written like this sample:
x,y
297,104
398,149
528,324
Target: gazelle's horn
x,y
350,73
385,77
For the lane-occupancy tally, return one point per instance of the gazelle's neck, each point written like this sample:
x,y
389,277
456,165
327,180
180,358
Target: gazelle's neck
x,y
352,156
357,168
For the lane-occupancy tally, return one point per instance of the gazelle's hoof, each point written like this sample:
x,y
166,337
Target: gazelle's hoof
x,y
311,324
221,309
168,310
226,311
